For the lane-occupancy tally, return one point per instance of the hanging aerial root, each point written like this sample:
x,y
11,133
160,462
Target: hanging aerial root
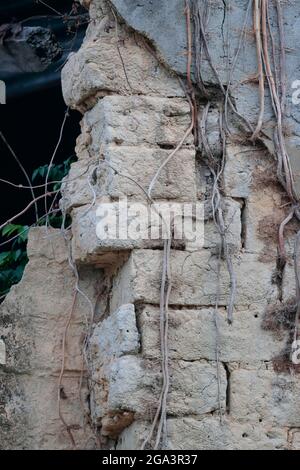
x,y
190,90
199,19
269,74
297,277
257,30
67,427
284,168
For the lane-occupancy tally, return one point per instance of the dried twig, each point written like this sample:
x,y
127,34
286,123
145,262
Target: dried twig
x,y
23,171
26,208
66,115
50,7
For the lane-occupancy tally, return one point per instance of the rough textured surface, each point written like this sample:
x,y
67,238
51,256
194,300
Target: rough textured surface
x,y
113,343
33,319
136,120
176,181
132,134
264,396
2,352
193,335
194,279
239,169
150,17
135,113
116,336
233,222
189,433
84,76
97,235
133,384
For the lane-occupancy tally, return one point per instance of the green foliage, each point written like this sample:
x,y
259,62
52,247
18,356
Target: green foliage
x,y
13,262
56,172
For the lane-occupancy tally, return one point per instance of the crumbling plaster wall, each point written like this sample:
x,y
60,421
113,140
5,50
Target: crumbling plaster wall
x,y
123,80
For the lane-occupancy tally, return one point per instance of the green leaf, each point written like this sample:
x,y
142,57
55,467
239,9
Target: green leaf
x,y
9,229
34,174
57,186
4,257
24,234
17,254
18,273
40,171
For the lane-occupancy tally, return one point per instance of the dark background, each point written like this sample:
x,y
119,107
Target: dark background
x,y
32,118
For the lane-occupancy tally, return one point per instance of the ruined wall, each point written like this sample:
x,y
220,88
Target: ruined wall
x,y
33,320
232,385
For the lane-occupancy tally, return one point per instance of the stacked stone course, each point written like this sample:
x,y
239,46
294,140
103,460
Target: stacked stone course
x,y
134,113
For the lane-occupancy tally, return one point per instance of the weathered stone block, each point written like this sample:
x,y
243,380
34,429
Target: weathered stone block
x,y
264,396
84,78
238,172
28,413
136,166
77,187
149,19
193,335
194,279
109,228
262,217
233,224
46,429
33,322
211,128
96,232
136,120
2,353
133,384
288,282
294,439
132,177
47,243
151,122
35,312
207,433
115,336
